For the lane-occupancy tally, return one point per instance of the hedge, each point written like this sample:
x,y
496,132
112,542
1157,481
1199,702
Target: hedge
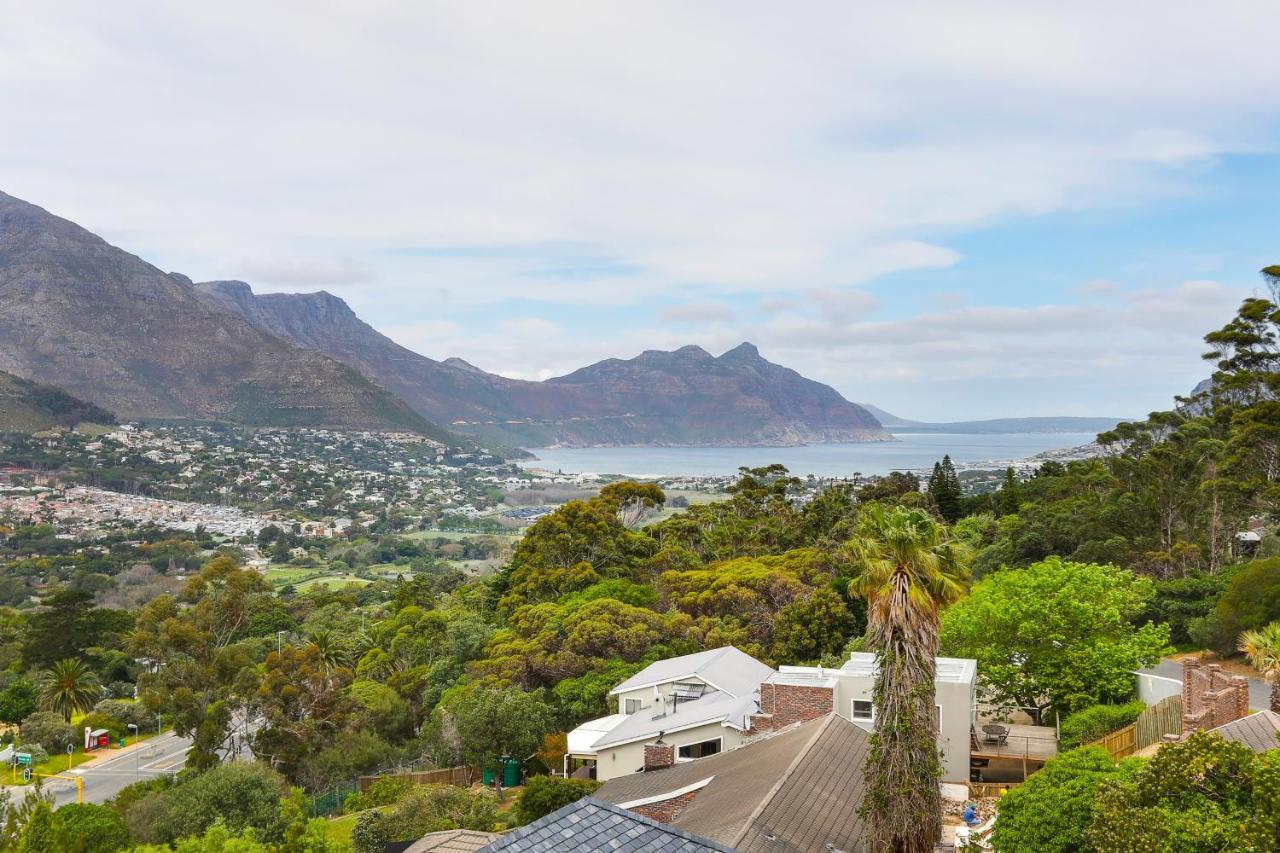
x,y
1097,721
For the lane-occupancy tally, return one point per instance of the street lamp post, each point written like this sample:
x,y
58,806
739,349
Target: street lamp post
x,y
136,771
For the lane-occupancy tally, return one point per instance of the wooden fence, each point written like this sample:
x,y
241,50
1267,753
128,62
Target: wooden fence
x,y
1162,718
990,789
463,777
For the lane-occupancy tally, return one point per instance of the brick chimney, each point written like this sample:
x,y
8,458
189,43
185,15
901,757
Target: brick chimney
x,y
783,704
1211,697
658,754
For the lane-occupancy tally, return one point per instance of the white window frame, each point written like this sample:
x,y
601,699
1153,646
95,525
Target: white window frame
x,y
719,740
626,706
853,713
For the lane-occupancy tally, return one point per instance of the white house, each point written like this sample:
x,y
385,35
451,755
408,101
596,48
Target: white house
x,y
697,705
694,706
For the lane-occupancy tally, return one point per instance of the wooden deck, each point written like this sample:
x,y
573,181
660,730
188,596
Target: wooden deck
x,y
1033,743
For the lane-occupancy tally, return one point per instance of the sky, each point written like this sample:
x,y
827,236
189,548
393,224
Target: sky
x,y
950,210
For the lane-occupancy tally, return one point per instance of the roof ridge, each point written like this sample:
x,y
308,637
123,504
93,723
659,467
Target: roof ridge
x,y
782,780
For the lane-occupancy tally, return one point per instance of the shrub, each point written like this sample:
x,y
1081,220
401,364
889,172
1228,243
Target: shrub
x,y
18,701
127,712
39,755
244,795
49,730
1052,811
1096,721
370,833
432,808
96,720
383,792
121,689
88,828
544,794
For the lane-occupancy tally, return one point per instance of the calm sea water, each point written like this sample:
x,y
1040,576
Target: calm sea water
x,y
910,451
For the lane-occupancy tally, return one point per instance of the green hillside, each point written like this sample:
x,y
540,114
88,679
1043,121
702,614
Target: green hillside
x,y
27,406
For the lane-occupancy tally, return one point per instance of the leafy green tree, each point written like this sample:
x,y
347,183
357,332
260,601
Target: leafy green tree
x,y
49,729
481,723
1009,497
907,569
944,490
1251,600
41,833
69,686
241,795
1052,810
1204,794
544,794
809,629
89,828
17,701
205,675
1056,634
66,625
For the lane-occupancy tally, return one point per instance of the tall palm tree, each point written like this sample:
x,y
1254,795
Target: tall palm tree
x,y
1262,647
67,687
332,649
908,568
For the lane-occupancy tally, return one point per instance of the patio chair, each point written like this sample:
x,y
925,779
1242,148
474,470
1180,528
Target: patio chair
x,y
995,733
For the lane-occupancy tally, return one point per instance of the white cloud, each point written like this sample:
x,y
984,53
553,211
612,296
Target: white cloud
x,y
462,160
697,312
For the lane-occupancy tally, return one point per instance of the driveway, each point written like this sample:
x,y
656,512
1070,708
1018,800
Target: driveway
x,y
1259,690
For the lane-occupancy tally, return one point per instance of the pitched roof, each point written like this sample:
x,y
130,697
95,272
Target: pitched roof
x,y
726,668
798,789
1259,731
712,707
593,826
451,841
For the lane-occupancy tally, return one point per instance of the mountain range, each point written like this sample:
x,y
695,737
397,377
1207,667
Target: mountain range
x,y
109,328
119,333
685,397
993,425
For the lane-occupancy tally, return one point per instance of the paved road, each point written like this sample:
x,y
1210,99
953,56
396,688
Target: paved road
x,y
105,778
1259,690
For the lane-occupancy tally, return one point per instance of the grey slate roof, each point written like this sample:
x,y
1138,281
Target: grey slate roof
x,y
593,826
451,841
796,790
728,669
1257,731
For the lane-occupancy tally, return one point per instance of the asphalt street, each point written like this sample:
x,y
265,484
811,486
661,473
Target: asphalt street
x,y
105,778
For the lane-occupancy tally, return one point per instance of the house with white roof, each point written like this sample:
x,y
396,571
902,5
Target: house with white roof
x,y
690,707
698,705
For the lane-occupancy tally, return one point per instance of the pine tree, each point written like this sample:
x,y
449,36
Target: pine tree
x,y
944,489
1010,497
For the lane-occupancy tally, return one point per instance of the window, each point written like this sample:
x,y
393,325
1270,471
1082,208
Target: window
x,y
688,752
863,710
633,706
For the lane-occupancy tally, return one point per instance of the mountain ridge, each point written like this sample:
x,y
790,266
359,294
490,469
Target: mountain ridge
x,y
27,406
1043,424
685,396
109,328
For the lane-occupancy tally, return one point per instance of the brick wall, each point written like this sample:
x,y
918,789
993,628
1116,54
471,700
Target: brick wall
x,y
659,755
784,704
1211,697
666,810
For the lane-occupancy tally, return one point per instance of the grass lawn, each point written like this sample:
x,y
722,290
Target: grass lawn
x,y
334,581
509,536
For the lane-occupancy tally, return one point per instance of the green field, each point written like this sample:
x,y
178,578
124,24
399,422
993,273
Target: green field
x,y
333,581
509,536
